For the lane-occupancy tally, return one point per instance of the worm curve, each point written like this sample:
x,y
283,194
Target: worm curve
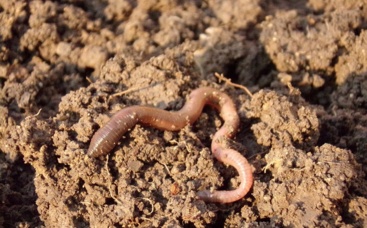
x,y
105,139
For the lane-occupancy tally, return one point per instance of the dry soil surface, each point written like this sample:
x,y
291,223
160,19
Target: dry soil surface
x,y
66,66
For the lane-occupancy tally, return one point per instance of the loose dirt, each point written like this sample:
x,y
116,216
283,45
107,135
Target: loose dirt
x,y
67,66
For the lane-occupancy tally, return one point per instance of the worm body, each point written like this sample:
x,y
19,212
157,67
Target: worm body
x,y
105,139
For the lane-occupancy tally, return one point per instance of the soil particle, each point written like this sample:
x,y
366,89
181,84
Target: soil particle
x,y
352,94
12,13
224,45
283,120
332,168
334,5
236,14
306,42
352,61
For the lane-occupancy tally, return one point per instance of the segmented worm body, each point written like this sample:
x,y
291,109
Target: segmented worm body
x,y
105,139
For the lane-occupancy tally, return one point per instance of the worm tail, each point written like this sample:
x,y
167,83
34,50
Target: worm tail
x,y
240,163
106,138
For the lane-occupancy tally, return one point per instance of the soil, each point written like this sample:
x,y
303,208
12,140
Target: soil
x,y
66,66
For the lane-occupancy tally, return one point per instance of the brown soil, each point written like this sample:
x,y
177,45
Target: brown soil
x,y
64,67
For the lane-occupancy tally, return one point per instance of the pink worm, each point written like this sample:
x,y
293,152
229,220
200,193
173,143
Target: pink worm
x,y
105,139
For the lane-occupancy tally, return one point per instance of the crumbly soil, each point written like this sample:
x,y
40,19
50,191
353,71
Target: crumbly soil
x,y
67,66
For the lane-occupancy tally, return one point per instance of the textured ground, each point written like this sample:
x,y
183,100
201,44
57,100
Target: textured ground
x,y
66,66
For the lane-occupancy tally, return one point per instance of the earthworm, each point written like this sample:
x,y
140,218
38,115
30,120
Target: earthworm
x,y
105,139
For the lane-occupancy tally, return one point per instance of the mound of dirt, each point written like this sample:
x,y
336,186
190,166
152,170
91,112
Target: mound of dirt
x,y
67,66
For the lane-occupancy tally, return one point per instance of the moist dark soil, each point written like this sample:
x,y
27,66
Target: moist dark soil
x,y
66,66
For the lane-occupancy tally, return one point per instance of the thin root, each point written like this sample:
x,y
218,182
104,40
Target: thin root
x,y
151,204
132,89
228,81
